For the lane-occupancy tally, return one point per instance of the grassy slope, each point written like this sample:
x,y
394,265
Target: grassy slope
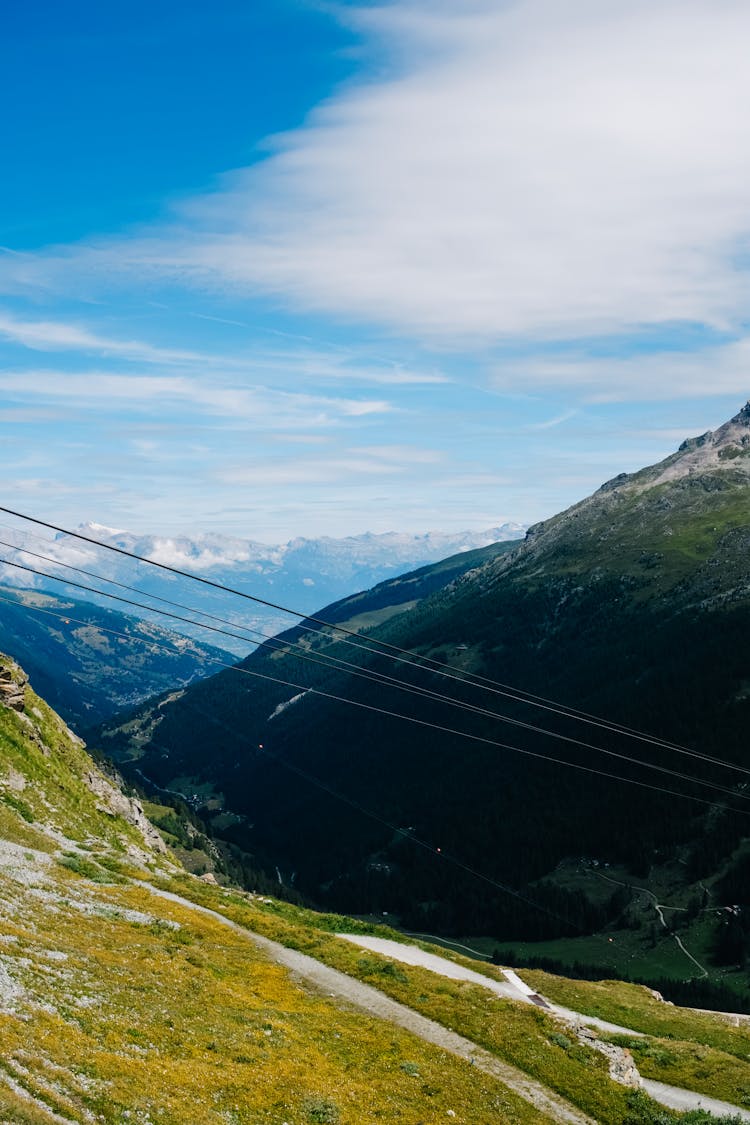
x,y
44,799
684,1047
113,1002
191,1024
706,1056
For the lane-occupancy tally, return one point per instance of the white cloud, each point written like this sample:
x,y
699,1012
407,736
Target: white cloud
x,y
329,470
96,390
705,373
55,335
551,423
403,454
319,365
525,168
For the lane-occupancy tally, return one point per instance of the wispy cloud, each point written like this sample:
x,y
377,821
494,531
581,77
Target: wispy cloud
x,y
56,336
309,364
551,423
701,373
95,390
307,471
527,168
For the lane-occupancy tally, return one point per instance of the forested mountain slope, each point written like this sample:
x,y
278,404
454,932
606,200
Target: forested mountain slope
x,y
634,604
91,662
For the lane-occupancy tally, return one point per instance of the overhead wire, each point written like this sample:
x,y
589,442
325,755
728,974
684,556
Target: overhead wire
x,y
304,688
327,660
438,852
377,677
336,794
415,660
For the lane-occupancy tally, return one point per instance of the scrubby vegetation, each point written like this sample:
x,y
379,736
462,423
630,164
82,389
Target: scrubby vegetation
x,y
151,1010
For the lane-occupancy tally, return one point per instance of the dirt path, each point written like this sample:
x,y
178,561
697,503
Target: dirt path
x,y
413,955
376,1003
659,907
672,1096
513,988
685,1099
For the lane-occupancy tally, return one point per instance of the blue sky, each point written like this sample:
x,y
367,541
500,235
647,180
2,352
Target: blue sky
x,y
281,268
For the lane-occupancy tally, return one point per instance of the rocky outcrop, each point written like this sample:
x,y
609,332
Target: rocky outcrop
x,y
13,681
622,1068
113,802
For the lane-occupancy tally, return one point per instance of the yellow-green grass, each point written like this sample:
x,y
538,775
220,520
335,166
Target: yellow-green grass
x,y
636,1007
192,1024
694,1066
516,1032
38,747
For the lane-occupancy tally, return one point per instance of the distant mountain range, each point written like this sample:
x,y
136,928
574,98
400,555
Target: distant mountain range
x,y
92,662
633,604
303,573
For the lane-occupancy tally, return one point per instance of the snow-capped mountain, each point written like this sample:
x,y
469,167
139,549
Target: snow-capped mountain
x,y
304,574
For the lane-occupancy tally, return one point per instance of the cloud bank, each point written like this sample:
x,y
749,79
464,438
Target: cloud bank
x,y
524,168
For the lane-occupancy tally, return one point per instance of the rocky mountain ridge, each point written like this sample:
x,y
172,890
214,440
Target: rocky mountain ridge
x,y
629,526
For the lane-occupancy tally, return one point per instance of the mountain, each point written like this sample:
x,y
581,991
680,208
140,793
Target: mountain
x,y
131,990
303,573
634,605
92,662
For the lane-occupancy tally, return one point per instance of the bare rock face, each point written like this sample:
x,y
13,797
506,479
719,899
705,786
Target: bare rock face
x,y
115,803
13,681
622,1068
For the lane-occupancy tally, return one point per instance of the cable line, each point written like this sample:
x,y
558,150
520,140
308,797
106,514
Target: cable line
x,y
435,851
384,680
443,729
424,662
312,779
438,852
369,673
123,585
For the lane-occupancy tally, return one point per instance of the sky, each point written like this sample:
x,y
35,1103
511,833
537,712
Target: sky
x,y
287,267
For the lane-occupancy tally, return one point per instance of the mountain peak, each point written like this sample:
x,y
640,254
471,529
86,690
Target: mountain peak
x,y
744,415
715,449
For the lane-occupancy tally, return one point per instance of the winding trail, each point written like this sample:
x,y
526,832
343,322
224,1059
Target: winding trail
x,y
676,1098
673,1096
375,1003
368,999
659,907
513,988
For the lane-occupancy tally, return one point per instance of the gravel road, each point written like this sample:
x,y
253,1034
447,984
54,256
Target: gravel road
x,y
376,1003
413,955
686,1099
